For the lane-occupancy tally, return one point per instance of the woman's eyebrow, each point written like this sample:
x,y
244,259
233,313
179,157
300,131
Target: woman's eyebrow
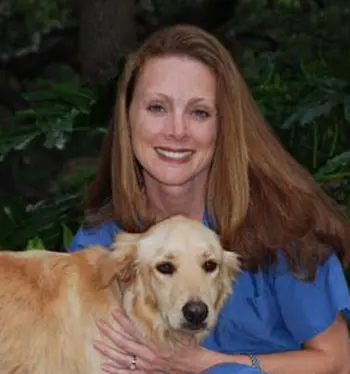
x,y
148,95
199,99
153,94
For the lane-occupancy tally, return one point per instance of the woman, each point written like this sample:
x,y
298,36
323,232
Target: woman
x,y
188,139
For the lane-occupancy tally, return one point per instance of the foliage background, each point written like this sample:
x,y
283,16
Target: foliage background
x,y
54,108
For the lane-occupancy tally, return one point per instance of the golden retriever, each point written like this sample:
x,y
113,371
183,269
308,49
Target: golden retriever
x,y
171,280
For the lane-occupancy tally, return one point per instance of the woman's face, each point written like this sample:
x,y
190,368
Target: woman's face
x,y
173,120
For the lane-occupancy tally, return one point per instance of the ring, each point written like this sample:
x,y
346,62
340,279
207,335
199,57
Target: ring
x,y
133,363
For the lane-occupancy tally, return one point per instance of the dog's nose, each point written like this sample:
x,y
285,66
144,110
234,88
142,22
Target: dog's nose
x,y
195,312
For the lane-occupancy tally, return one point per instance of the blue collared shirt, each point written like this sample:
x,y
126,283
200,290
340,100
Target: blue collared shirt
x,y
268,312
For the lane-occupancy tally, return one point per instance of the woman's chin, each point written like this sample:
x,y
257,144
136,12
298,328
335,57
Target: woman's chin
x,y
174,182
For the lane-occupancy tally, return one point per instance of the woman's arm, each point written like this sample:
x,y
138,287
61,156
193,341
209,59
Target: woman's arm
x,y
327,353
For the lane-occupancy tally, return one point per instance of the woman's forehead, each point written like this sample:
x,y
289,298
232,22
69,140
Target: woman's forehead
x,y
172,75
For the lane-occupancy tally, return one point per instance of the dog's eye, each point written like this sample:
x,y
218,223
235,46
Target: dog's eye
x,y
166,268
209,266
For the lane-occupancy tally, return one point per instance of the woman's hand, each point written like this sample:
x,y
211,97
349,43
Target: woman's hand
x,y
128,351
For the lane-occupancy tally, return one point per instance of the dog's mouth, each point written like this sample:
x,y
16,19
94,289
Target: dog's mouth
x,y
194,327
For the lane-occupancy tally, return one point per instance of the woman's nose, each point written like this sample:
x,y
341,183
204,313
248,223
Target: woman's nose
x,y
177,127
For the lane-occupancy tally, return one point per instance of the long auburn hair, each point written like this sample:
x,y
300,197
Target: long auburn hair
x,y
259,198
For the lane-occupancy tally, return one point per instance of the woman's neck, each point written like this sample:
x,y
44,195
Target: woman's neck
x,y
166,201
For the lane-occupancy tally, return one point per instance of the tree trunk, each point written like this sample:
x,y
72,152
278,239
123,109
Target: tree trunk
x,y
107,30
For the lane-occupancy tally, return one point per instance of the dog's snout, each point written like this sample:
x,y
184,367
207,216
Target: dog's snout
x,y
195,312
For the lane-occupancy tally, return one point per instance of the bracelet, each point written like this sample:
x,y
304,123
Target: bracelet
x,y
255,361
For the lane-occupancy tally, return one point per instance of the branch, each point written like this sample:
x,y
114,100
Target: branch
x,y
107,31
52,45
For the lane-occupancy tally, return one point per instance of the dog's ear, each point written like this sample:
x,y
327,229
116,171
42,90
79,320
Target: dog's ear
x,y
230,268
231,261
119,264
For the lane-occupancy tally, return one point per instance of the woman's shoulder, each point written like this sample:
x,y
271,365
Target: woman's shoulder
x,y
306,307
101,234
310,307
273,311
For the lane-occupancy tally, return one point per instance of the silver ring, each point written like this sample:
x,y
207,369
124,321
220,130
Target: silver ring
x,y
133,363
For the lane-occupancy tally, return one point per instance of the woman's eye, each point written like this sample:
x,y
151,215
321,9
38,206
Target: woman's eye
x,y
200,114
156,108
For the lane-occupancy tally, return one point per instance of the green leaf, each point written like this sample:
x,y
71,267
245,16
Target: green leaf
x,y
314,110
34,244
26,113
56,139
347,109
337,167
76,96
39,95
67,236
312,114
16,142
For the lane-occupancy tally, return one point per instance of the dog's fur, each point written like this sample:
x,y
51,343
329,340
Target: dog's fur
x,y
49,301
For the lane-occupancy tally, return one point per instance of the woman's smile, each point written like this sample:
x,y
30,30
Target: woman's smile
x,y
178,156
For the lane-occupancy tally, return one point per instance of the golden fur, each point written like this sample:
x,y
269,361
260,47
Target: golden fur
x,y
49,301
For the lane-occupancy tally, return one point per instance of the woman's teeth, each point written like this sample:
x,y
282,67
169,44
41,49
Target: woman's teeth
x,y
174,154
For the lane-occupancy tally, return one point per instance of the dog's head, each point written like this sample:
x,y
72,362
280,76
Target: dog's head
x,y
178,270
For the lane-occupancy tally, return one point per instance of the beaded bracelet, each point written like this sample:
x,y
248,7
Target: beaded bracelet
x,y
255,361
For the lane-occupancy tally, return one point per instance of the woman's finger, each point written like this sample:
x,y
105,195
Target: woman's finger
x,y
119,359
111,370
126,324
124,359
147,352
113,334
132,331
124,342
149,348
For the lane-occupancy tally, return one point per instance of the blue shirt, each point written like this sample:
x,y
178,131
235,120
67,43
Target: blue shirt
x,y
268,312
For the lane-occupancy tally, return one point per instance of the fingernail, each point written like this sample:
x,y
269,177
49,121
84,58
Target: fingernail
x,y
106,368
117,313
97,345
99,323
